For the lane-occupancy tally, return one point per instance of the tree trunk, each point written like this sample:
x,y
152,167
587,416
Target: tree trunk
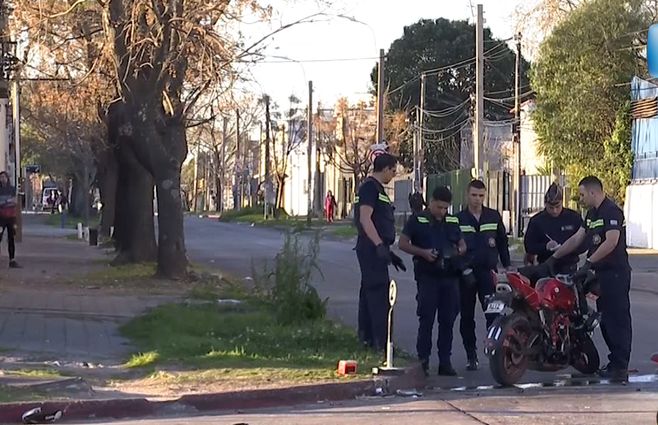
x,y
108,178
77,200
280,194
134,231
172,258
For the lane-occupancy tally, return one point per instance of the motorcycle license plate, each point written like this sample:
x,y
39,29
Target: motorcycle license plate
x,y
495,307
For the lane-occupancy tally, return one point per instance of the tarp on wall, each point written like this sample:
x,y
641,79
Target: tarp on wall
x,y
640,210
644,134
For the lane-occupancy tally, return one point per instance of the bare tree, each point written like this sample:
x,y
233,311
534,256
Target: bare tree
x,y
289,132
356,134
537,18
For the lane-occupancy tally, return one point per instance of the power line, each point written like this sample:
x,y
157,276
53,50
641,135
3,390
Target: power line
x,y
459,64
311,60
502,99
506,90
447,111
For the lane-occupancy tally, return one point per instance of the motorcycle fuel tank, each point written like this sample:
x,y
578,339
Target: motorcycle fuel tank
x,y
555,295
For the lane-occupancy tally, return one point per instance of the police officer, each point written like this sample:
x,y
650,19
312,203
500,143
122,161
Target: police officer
x,y
604,233
550,228
373,217
434,239
486,240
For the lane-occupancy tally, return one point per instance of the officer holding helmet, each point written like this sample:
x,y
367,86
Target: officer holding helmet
x,y
434,239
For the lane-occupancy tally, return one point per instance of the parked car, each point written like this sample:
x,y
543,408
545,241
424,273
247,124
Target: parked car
x,y
46,203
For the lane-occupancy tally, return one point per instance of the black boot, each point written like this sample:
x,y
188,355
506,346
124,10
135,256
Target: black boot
x,y
14,265
614,375
447,370
425,366
472,363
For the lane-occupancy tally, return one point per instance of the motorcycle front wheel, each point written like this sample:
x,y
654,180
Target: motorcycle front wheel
x,y
585,356
508,360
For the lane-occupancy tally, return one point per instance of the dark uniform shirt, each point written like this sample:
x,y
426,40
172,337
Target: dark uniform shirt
x,y
372,193
543,227
426,232
486,239
598,221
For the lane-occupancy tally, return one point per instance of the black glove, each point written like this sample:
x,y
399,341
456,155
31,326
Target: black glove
x,y
582,272
397,262
384,253
550,265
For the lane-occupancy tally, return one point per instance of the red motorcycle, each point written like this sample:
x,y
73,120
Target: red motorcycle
x,y
543,326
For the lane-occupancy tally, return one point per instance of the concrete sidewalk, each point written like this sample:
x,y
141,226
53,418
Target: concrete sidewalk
x,y
67,324
43,315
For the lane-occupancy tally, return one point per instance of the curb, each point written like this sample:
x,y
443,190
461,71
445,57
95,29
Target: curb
x,y
237,400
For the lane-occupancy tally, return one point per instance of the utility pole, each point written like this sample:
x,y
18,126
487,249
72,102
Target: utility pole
x,y
479,93
195,187
421,133
318,174
380,97
238,175
222,180
20,184
416,131
268,180
309,137
4,85
517,137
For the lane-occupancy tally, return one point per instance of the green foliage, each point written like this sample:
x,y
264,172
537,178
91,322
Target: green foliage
x,y
618,157
257,211
211,336
430,44
582,113
142,359
288,283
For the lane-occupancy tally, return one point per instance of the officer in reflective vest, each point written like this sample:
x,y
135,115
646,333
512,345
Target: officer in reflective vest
x,y
374,220
486,240
434,239
604,233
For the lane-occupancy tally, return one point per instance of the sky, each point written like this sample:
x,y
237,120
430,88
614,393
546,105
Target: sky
x,y
383,22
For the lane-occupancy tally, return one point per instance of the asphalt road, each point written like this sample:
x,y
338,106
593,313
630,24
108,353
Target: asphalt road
x,y
235,248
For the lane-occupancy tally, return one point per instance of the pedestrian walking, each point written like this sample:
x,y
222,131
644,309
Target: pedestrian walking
x,y
435,240
330,206
486,240
375,223
8,210
62,207
550,228
604,235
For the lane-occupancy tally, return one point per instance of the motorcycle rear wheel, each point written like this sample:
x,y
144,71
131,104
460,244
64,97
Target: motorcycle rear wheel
x,y
509,360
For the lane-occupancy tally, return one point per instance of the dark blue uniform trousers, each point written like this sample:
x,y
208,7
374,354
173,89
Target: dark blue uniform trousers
x,y
484,286
615,307
437,297
373,298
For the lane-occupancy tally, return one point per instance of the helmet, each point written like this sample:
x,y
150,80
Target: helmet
x,y
553,194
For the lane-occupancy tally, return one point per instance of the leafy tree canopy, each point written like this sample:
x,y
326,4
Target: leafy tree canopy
x,y
449,48
580,78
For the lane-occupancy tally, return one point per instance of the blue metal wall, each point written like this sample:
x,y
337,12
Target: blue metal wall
x,y
644,135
